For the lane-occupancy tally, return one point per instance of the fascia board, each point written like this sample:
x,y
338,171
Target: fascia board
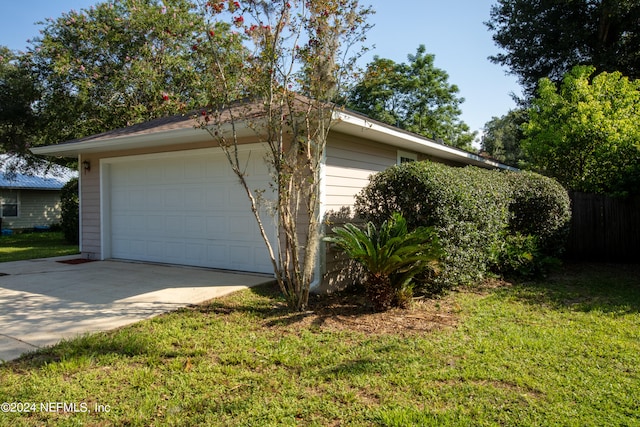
x,y
359,126
146,140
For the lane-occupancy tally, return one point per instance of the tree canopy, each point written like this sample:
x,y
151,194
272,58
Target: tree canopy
x,y
585,131
18,91
415,96
120,63
502,137
547,38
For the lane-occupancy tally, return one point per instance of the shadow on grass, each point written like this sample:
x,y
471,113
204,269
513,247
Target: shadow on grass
x,y
585,287
137,339
124,342
270,305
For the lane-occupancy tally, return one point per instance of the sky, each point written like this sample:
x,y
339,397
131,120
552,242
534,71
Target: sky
x,y
452,30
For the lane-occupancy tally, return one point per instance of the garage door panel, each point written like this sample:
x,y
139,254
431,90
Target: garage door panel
x,y
175,250
193,198
173,198
216,226
217,254
155,224
194,226
241,257
196,170
187,209
173,171
119,200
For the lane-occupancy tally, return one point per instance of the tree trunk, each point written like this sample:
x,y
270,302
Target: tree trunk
x,y
380,292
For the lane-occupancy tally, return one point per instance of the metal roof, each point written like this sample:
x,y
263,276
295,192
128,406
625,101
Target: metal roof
x,y
51,177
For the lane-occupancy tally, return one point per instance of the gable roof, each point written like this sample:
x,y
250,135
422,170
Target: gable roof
x,y
16,176
184,128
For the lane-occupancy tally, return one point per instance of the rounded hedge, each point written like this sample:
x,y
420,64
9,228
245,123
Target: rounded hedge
x,y
473,211
539,207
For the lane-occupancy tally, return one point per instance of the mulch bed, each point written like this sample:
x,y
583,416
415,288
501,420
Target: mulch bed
x,y
352,312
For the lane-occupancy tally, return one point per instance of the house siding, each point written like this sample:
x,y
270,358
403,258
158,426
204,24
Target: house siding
x,y
350,162
35,208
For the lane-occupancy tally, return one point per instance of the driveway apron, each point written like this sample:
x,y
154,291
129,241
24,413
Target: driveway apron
x,y
46,300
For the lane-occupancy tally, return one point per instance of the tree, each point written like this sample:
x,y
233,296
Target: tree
x,y
547,38
70,211
18,92
502,137
415,96
295,48
584,131
120,63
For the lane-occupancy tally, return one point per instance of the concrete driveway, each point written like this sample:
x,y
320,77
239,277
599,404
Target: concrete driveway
x,y
43,301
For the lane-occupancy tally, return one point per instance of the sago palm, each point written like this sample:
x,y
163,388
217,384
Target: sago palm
x,y
391,255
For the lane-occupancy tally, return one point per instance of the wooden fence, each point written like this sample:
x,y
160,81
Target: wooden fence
x,y
604,228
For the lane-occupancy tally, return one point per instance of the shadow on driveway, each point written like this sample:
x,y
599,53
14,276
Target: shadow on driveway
x,y
43,301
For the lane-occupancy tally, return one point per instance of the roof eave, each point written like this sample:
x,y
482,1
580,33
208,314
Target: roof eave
x,y
73,149
360,126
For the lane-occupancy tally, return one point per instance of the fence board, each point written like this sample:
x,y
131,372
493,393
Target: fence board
x,y
604,228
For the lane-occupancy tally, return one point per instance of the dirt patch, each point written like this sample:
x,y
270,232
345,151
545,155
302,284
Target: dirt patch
x,y
352,312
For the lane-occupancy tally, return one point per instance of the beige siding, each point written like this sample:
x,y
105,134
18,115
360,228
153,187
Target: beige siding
x,y
350,162
90,208
35,207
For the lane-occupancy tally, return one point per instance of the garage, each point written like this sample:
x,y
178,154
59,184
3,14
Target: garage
x,y
184,208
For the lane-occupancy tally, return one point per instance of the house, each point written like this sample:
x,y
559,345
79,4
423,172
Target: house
x,y
30,196
162,191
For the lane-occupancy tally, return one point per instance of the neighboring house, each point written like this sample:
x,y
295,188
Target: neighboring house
x,y
29,197
162,191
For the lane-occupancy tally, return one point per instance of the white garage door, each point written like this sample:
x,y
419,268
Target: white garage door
x,y
186,208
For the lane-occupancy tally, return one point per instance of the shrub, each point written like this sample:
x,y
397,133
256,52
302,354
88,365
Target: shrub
x,y
521,255
539,207
391,256
70,211
485,220
467,207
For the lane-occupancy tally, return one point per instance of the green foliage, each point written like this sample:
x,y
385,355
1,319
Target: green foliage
x,y
539,207
467,207
391,255
473,211
502,136
18,91
121,62
415,96
521,255
585,131
547,38
70,211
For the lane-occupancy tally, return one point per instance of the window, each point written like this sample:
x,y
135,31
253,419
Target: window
x,y
8,204
405,156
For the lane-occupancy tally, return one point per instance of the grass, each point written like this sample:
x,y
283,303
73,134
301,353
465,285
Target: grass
x,y
24,246
564,351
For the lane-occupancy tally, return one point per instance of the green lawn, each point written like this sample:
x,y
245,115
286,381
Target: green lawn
x,y
34,245
565,351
